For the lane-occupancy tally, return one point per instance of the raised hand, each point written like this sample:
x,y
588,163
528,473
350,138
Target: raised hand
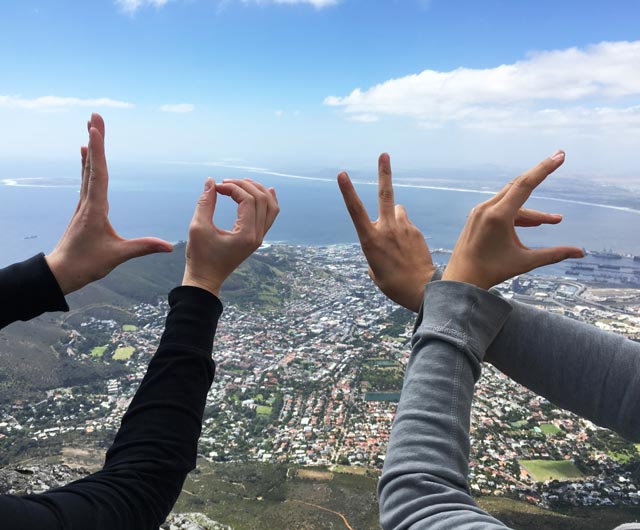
x,y
90,248
399,260
213,253
489,251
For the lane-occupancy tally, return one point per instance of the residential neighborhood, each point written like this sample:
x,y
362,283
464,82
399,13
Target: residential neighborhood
x,y
316,383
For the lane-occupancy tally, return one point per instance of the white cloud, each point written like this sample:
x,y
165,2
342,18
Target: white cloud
x,y
570,88
131,6
59,103
364,118
179,107
319,4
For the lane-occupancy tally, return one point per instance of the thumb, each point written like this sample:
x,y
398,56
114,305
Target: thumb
x,y
134,248
206,203
548,256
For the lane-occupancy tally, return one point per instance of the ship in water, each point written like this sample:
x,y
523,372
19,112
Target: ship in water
x,y
604,254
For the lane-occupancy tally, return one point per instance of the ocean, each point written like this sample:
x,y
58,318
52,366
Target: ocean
x,y
158,199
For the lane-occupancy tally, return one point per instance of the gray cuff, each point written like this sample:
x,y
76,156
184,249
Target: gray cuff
x,y
470,317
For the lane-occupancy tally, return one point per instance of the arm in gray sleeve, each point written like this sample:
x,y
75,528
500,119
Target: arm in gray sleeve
x,y
577,366
424,481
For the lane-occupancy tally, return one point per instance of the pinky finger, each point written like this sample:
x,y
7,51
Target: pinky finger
x,y
526,217
551,255
273,209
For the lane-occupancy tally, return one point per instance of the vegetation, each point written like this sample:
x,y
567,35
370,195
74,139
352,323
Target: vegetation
x,y
551,469
549,429
98,351
123,353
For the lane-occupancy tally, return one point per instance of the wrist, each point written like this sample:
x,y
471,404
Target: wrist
x,y
451,274
66,279
193,280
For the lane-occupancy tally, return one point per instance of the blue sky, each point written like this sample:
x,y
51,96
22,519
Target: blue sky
x,y
325,83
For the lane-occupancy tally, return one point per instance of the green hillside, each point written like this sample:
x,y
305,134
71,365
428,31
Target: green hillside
x,y
34,357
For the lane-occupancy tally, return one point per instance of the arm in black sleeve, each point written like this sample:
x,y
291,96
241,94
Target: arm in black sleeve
x,y
28,289
156,445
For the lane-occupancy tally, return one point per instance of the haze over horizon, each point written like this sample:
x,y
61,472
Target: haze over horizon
x,y
326,83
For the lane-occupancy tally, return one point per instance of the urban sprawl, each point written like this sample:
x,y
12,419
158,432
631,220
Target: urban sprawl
x,y
315,382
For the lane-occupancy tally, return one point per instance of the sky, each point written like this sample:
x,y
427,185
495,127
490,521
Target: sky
x,y
325,83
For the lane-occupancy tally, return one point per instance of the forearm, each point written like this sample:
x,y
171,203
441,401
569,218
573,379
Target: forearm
x,y
28,289
424,480
156,445
591,372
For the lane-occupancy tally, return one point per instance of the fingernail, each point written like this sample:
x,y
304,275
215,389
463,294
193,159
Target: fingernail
x,y
558,155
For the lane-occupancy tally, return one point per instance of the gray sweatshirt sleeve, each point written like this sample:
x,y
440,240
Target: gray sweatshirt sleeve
x,y
591,372
424,480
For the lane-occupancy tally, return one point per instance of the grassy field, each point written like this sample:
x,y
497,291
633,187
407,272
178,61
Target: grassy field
x,y
551,469
524,516
123,353
263,410
637,447
351,470
266,497
129,327
549,429
98,351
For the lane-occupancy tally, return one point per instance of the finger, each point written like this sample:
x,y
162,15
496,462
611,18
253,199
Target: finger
x,y
260,202
274,208
354,205
206,204
97,122
526,218
547,256
498,196
401,213
272,203
84,179
134,248
98,175
246,221
522,187
385,189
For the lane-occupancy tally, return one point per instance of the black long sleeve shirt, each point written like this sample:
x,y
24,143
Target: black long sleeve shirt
x,y
156,444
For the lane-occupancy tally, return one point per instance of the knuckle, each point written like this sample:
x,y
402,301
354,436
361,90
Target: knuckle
x,y
523,182
385,194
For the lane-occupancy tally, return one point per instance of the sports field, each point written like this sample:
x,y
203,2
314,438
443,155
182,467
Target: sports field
x,y
551,469
549,428
98,351
124,353
129,327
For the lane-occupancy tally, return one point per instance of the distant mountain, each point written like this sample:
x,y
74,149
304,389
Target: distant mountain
x,y
33,354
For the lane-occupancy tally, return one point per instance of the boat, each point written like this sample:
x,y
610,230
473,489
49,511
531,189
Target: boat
x,y
604,254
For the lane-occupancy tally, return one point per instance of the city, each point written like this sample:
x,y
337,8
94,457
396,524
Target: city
x,y
315,382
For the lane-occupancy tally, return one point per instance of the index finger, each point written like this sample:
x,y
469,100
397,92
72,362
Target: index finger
x,y
386,208
522,187
247,207
98,183
354,205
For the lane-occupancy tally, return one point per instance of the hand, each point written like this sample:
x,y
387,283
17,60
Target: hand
x,y
90,248
213,253
489,251
399,260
